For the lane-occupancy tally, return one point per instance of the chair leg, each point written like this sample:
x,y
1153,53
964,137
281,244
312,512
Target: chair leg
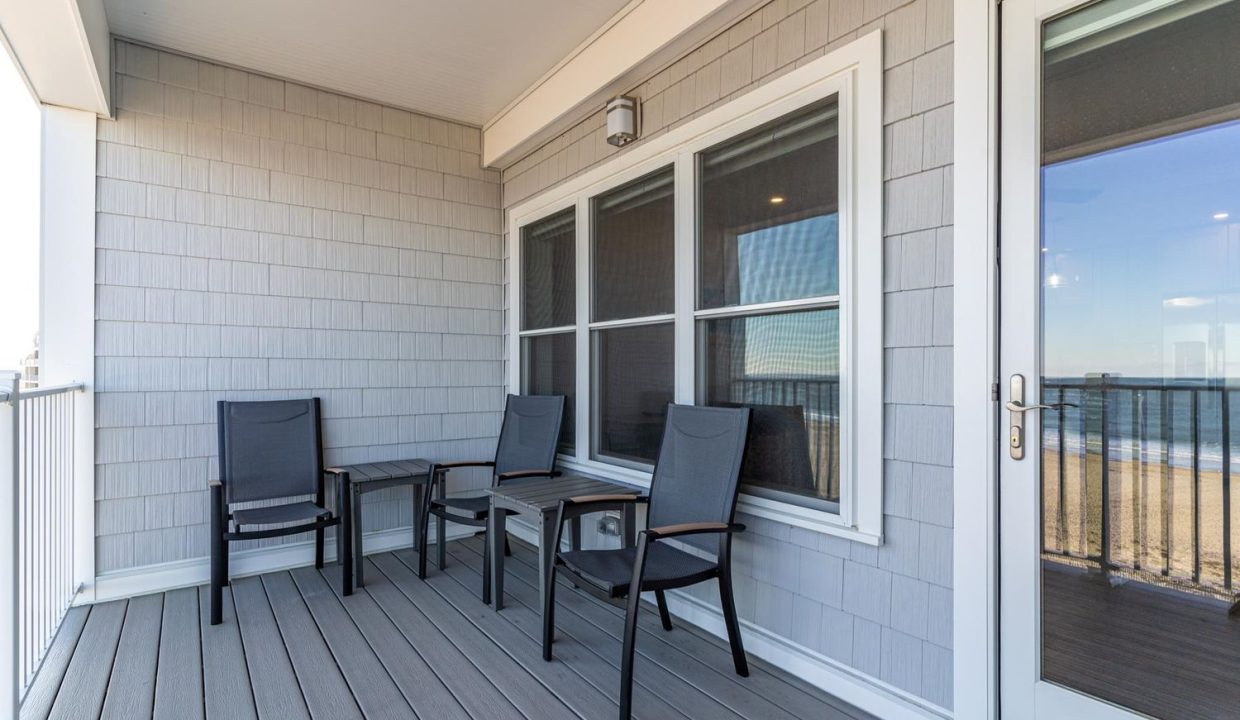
x,y
486,567
734,628
664,615
318,549
441,535
548,613
507,547
425,531
630,629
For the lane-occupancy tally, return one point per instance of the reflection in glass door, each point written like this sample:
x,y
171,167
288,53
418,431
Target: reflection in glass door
x,y
1140,338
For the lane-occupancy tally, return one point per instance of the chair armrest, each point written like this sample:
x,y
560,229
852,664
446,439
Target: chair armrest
x,y
213,484
682,529
334,471
517,474
617,498
464,463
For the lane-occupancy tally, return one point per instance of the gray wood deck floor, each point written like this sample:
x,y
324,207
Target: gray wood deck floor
x,y
291,647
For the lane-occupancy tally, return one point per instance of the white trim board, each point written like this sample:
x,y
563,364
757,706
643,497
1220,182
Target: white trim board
x,y
865,692
975,570
243,563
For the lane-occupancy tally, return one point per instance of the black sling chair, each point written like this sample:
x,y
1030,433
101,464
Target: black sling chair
x,y
692,500
268,451
526,449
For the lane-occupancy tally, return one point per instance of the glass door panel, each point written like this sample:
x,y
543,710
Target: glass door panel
x,y
1140,355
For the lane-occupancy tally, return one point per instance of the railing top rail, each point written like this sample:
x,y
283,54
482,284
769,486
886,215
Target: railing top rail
x,y
53,390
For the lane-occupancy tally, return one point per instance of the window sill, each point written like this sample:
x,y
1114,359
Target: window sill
x,y
766,508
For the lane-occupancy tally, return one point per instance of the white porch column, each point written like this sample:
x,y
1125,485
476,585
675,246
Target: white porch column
x,y
67,301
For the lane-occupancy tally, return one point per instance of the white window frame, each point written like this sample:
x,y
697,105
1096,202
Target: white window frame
x,y
853,73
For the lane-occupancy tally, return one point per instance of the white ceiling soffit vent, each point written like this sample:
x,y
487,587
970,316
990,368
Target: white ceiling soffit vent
x,y
641,39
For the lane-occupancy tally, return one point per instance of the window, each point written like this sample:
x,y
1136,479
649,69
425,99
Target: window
x,y
768,239
734,260
632,340
548,311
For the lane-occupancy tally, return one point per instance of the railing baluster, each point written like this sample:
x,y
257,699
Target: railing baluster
x,y
1226,429
1061,537
1106,478
1164,472
1195,423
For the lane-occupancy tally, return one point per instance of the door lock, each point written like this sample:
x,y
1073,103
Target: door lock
x,y
1016,415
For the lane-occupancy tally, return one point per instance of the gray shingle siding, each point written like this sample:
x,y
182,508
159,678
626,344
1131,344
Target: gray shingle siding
x,y
259,239
884,611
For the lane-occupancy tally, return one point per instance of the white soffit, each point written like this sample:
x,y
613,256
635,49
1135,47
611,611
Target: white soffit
x,y
62,49
645,36
457,59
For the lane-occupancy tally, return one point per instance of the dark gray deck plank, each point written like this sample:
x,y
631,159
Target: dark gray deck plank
x,y
46,683
582,681
178,682
579,641
226,684
475,691
529,696
86,679
276,691
709,652
422,688
324,687
372,686
131,688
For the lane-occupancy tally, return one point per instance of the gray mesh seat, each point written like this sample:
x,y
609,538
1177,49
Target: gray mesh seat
x,y
269,451
692,501
612,570
526,449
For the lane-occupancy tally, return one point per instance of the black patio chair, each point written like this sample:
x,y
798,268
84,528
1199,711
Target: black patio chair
x,y
526,449
692,500
269,450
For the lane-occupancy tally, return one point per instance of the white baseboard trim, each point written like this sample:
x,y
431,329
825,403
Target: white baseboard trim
x,y
197,571
867,693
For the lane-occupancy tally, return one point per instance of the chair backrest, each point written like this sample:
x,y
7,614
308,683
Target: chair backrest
x,y
697,475
530,433
271,449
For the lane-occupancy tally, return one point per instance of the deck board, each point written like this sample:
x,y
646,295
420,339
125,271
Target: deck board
x,y
292,647
46,684
131,688
275,687
225,679
326,691
178,681
86,679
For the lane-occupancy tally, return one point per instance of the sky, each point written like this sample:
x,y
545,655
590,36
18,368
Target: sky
x,y
19,213
1141,259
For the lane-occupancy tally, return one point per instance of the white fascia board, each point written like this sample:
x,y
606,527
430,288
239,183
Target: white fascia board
x,y
63,49
642,38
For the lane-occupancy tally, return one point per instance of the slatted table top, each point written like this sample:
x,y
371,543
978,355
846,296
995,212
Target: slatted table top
x,y
388,470
544,495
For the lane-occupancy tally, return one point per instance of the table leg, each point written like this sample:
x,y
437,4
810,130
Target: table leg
x,y
546,553
344,550
629,518
497,530
358,554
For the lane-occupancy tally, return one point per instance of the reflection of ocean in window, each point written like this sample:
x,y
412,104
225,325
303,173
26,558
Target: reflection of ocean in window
x,y
798,259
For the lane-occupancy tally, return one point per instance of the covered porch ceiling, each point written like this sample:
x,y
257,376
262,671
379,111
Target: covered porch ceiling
x,y
462,60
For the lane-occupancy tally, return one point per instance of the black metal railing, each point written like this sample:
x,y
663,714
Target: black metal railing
x,y
1136,478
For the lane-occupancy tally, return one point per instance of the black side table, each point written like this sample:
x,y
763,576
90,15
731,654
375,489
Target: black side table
x,y
368,477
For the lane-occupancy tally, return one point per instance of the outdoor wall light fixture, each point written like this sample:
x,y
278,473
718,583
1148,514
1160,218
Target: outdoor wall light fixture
x,y
622,119
777,199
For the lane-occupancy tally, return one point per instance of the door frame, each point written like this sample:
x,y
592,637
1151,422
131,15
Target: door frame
x,y
975,548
